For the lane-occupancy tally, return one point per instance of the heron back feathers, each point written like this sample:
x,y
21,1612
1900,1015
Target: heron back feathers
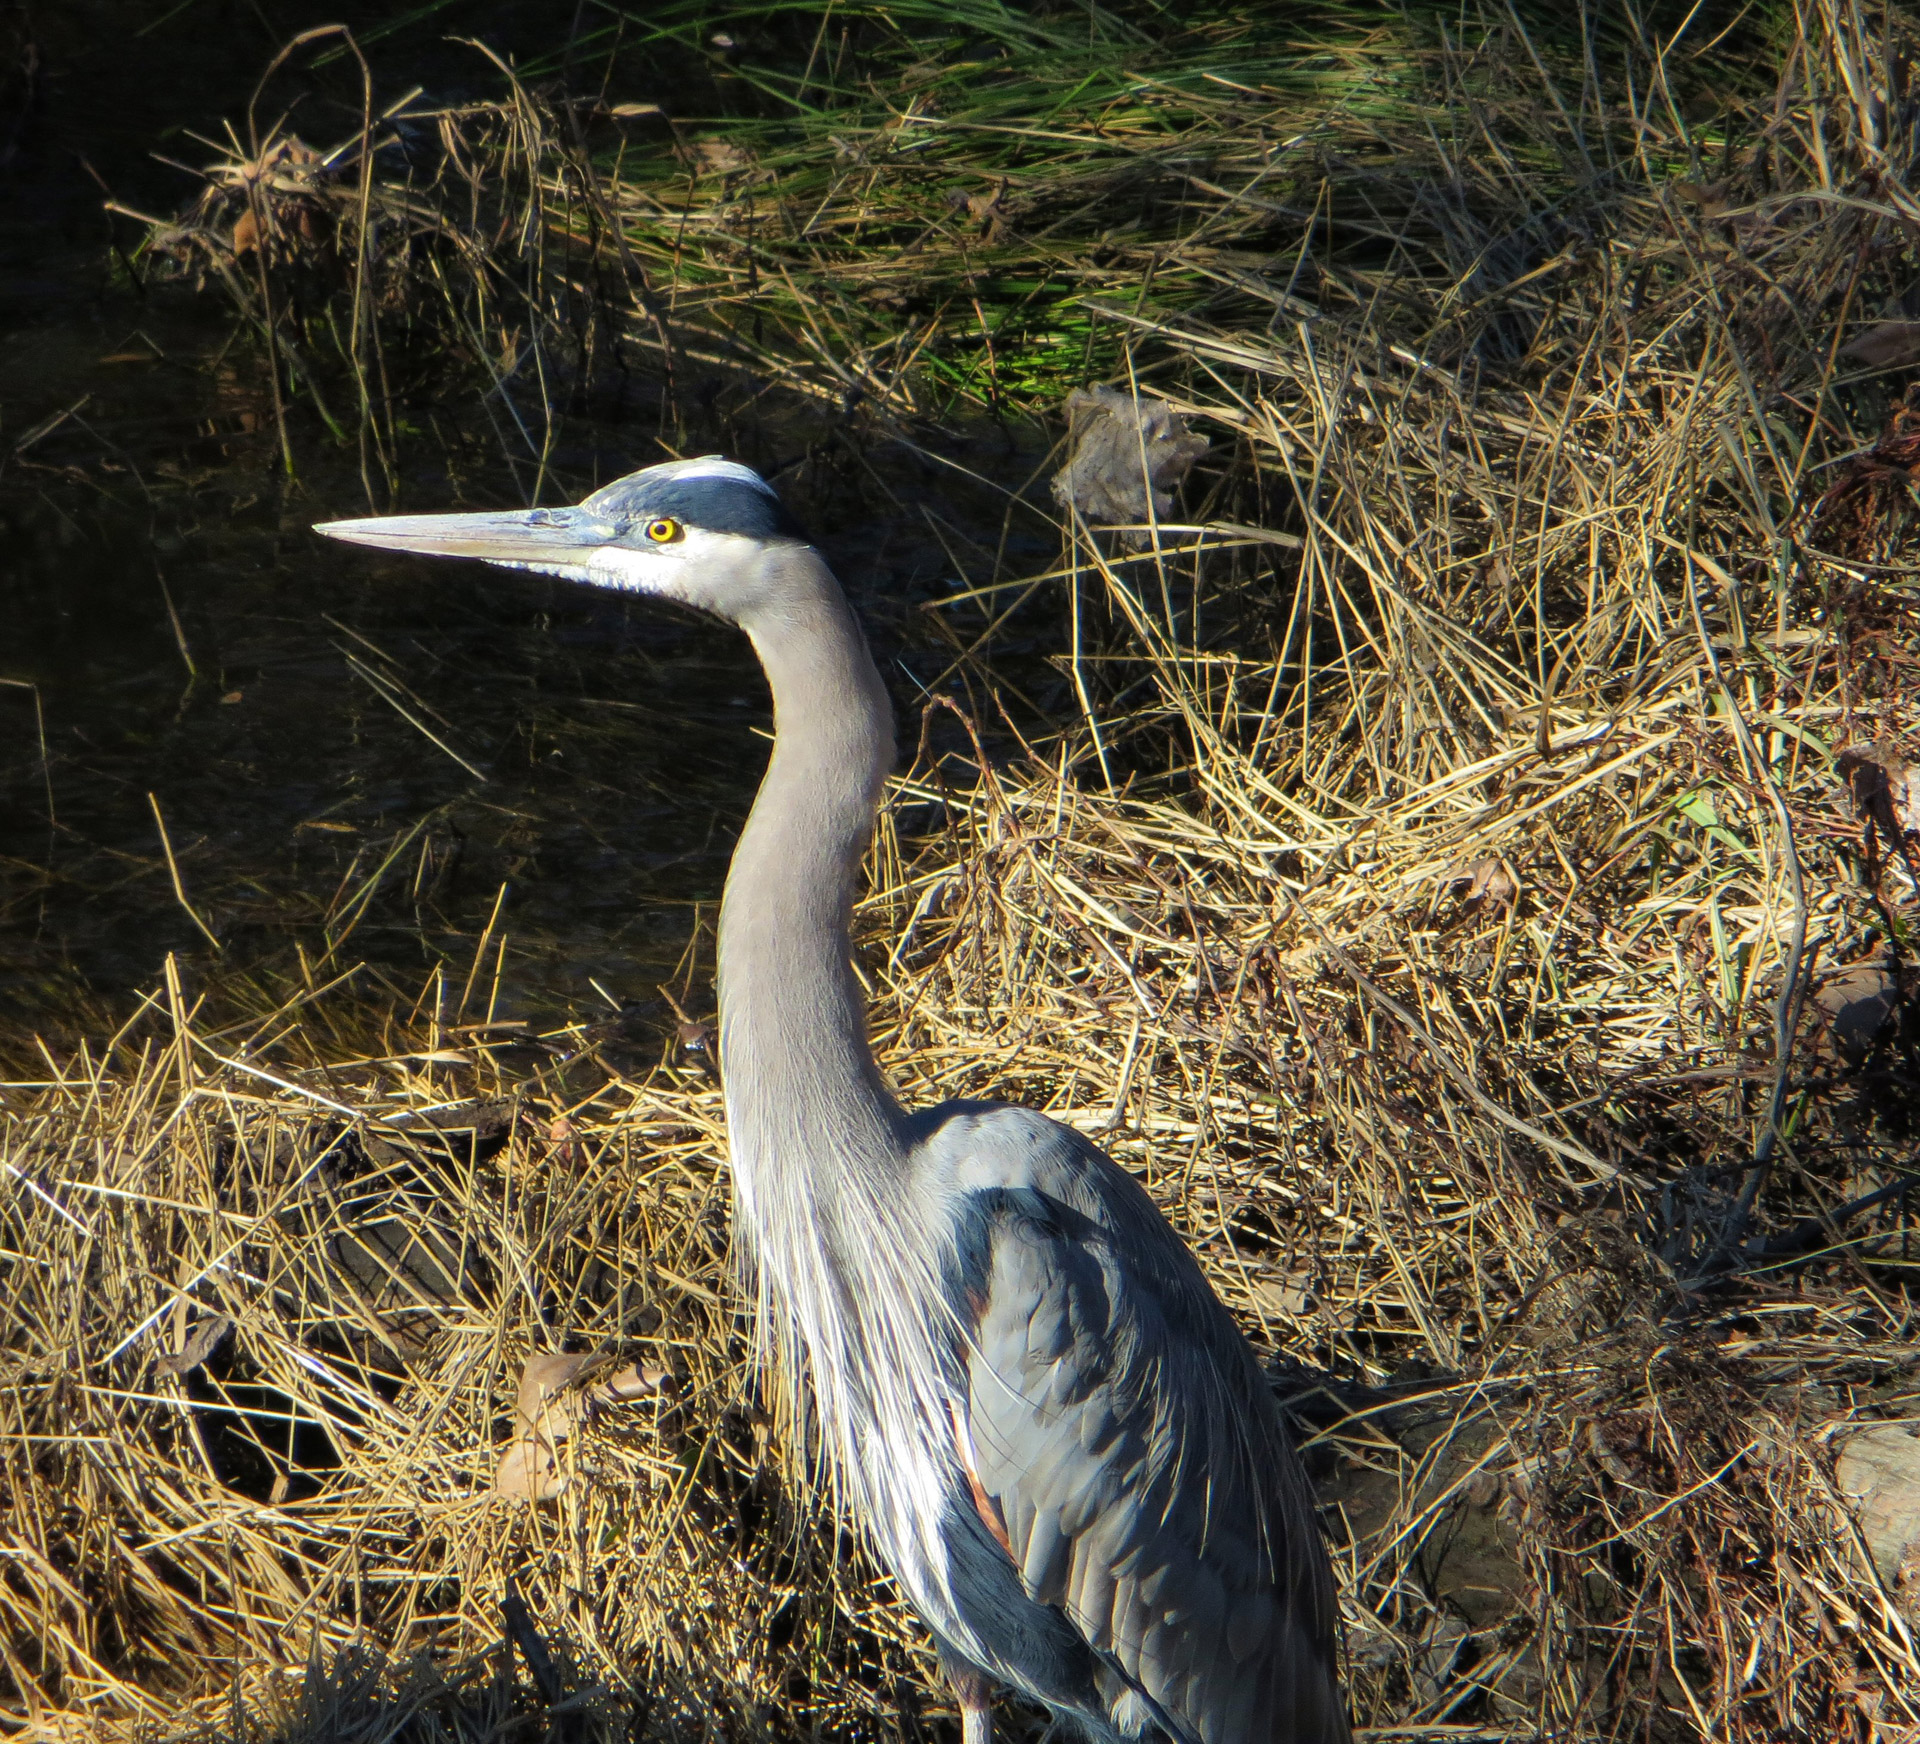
x,y
1129,1449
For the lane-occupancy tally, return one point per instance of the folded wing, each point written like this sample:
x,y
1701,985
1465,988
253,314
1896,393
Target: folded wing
x,y
1128,1449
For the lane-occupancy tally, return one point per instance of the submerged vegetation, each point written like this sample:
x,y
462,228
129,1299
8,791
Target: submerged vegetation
x,y
1465,866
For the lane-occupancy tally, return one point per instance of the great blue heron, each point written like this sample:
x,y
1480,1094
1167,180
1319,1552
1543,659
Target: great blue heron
x,y
1049,1427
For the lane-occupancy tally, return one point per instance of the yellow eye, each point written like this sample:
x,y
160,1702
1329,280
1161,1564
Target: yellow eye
x,y
663,531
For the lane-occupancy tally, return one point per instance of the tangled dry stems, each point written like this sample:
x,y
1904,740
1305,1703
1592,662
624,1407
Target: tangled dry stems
x,y
1431,902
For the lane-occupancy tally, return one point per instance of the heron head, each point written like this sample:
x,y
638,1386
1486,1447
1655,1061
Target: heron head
x,y
696,531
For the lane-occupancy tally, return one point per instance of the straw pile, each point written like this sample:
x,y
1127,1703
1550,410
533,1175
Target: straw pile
x,y
1470,886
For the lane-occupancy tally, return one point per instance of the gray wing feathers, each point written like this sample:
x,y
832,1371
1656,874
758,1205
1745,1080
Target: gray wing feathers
x,y
1119,1423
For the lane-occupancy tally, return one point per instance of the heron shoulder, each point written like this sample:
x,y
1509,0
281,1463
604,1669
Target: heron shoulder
x,y
984,1167
973,1147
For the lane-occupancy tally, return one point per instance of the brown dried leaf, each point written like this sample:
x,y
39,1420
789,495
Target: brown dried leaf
x,y
530,1464
1488,879
529,1470
629,1383
201,1343
550,1408
1856,1003
542,1379
1284,1295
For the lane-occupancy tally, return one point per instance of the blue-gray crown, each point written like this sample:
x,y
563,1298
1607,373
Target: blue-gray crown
x,y
719,495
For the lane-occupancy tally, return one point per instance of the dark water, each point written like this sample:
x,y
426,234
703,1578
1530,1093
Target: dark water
x,y
342,757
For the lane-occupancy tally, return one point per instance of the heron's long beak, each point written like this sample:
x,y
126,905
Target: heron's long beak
x,y
555,541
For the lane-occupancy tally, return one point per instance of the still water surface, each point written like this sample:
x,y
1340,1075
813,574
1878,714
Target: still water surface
x,y
216,727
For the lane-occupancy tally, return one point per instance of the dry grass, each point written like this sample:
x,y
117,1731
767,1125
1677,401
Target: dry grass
x,y
1431,897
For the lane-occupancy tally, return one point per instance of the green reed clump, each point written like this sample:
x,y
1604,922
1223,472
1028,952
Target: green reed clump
x,y
901,213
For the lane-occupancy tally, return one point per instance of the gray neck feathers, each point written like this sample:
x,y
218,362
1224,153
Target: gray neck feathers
x,y
826,1201
792,1012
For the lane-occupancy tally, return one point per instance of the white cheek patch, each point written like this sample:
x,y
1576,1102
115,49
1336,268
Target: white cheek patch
x,y
630,571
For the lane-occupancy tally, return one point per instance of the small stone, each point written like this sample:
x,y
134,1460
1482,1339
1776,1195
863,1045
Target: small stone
x,y
1878,1472
1128,457
1883,786
1887,345
1856,1002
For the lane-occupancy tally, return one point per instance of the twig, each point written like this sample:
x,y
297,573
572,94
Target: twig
x,y
173,869
1786,1011
1444,1059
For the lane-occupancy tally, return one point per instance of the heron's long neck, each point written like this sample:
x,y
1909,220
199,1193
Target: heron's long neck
x,y
803,1093
851,1313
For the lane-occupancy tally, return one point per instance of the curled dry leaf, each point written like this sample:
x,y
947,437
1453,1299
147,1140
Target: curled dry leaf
x,y
548,1410
529,1471
206,1337
1126,456
1488,879
625,1385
